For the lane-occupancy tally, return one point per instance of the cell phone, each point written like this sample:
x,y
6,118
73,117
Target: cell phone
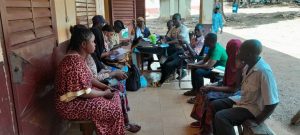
x,y
114,90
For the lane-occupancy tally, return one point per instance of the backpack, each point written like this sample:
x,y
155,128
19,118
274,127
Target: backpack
x,y
133,81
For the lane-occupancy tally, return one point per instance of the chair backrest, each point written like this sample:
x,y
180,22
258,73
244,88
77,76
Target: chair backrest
x,y
59,53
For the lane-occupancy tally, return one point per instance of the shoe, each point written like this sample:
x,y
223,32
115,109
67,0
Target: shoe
x,y
191,100
183,74
190,93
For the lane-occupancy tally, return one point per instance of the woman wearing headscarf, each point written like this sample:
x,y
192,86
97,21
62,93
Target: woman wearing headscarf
x,y
230,87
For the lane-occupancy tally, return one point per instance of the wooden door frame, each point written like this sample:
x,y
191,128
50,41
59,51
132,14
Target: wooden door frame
x,y
7,68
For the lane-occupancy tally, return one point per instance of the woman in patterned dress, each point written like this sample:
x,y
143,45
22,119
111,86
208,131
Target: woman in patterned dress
x,y
76,98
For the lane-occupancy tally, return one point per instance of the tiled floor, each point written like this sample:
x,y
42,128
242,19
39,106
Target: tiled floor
x,y
160,111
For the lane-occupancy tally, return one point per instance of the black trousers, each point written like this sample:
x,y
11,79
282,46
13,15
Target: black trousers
x,y
171,64
198,77
226,117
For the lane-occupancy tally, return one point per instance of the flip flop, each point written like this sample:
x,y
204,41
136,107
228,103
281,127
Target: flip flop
x,y
192,100
195,124
155,84
133,128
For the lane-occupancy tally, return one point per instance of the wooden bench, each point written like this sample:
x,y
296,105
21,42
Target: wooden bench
x,y
86,127
261,129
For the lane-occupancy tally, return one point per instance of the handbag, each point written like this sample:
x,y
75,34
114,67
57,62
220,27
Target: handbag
x,y
200,106
202,112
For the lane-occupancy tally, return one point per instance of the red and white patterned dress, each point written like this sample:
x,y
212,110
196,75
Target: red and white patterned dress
x,y
74,79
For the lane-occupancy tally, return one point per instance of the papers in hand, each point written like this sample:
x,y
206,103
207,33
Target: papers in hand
x,y
146,39
120,54
219,69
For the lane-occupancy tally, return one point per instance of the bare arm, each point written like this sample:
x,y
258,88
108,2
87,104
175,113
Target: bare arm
x,y
105,54
225,89
175,41
96,93
99,85
267,111
208,65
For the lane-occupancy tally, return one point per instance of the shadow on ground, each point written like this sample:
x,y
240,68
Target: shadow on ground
x,y
287,72
242,20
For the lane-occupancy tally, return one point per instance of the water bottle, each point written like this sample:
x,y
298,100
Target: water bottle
x,y
152,38
206,49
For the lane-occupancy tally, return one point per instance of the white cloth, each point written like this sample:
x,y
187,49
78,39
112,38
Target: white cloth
x,y
184,33
139,33
199,44
103,74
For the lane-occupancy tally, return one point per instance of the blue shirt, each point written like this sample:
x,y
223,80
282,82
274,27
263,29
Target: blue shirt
x,y
217,22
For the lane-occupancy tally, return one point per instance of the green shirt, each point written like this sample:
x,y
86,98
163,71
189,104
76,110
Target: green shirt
x,y
218,54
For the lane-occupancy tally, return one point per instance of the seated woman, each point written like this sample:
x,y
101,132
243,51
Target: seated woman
x,y
231,80
76,98
108,33
114,78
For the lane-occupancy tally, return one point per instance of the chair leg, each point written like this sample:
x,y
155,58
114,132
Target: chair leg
x,y
180,73
87,128
240,130
142,61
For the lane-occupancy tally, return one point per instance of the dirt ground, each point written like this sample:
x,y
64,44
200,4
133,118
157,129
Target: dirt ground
x,y
278,28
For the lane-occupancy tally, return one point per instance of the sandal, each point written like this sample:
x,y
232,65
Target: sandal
x,y
191,100
133,128
155,84
195,124
190,93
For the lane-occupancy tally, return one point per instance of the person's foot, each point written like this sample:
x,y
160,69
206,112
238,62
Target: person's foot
x,y
190,93
192,100
156,84
133,128
195,124
183,74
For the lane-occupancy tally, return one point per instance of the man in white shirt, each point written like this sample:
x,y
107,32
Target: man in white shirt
x,y
177,36
259,93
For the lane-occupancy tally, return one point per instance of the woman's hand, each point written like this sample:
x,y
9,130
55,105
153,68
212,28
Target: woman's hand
x,y
108,94
206,88
114,52
120,75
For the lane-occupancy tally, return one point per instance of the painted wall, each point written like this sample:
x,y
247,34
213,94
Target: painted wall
x,y
207,12
66,16
100,7
170,7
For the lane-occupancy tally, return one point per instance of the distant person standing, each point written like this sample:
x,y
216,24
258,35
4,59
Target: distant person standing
x,y
217,21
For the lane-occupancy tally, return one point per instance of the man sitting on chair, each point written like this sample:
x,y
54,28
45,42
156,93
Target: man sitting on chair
x,y
217,56
176,37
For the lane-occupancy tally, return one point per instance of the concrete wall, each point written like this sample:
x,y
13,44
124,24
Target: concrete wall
x,y
66,16
170,7
206,12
